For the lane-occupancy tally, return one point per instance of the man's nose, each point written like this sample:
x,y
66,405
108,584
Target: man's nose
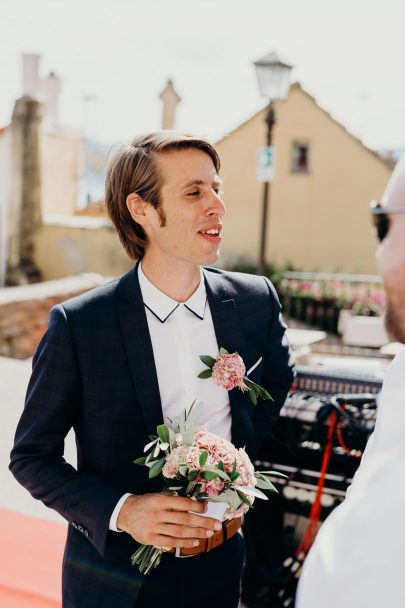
x,y
216,206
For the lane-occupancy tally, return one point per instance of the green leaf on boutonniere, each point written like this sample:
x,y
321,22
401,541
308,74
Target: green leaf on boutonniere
x,y
209,361
207,373
252,396
220,466
203,458
223,351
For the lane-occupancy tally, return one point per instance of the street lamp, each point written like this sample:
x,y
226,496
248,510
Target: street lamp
x,y
273,77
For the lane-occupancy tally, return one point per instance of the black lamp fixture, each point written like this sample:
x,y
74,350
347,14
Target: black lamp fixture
x,y
273,77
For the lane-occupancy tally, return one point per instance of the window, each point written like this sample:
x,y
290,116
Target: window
x,y
300,157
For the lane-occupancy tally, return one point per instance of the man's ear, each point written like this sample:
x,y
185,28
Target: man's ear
x,y
137,208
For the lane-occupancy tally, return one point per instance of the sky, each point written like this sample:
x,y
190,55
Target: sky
x,y
118,54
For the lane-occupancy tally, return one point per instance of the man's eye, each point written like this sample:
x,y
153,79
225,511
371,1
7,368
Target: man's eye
x,y
196,193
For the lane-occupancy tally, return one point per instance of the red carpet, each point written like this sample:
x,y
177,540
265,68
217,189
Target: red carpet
x,y
31,553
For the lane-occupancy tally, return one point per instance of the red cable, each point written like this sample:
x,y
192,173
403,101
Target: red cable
x,y
315,513
352,453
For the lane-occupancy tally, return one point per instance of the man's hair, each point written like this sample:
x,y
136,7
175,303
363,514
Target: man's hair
x,y
134,170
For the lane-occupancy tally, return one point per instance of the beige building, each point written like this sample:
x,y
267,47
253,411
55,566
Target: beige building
x,y
324,181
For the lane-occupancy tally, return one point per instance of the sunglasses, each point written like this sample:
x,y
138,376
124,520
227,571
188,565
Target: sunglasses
x,y
380,216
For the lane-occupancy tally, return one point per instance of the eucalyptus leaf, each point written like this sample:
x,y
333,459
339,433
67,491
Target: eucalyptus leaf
x,y
231,497
265,484
209,475
234,467
149,445
222,475
272,474
252,492
220,466
207,373
156,468
244,498
140,460
223,351
209,361
192,475
189,488
203,458
252,396
188,436
163,433
172,438
176,424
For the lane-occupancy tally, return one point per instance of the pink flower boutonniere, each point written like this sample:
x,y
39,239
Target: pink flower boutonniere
x,y
228,370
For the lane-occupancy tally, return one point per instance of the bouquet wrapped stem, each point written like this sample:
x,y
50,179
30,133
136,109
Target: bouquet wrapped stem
x,y
198,464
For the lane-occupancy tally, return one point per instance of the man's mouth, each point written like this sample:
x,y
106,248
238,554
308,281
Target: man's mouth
x,y
213,235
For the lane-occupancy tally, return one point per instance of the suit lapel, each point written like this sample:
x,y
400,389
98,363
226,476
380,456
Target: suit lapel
x,y
230,336
225,316
138,347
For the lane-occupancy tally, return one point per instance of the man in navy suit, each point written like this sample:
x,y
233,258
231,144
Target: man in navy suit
x,y
121,359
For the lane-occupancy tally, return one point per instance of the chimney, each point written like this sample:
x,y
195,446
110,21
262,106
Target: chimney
x,y
51,88
31,81
170,100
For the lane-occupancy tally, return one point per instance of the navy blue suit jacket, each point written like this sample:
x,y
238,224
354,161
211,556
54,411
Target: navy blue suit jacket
x,y
94,371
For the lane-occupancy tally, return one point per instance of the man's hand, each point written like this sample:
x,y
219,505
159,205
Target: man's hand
x,y
165,521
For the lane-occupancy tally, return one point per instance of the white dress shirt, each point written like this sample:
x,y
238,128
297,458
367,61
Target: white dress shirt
x,y
357,560
180,333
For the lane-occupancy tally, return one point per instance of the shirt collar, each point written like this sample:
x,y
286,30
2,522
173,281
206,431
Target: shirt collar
x,y
162,306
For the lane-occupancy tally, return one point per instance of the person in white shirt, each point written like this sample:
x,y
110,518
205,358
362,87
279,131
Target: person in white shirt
x,y
357,560
123,358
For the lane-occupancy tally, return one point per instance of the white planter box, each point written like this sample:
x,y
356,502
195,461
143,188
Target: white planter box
x,y
364,331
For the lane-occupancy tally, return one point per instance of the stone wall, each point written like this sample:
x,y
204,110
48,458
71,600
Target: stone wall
x,y
24,311
66,246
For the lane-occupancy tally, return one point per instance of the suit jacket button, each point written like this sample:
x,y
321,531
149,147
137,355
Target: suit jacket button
x,y
80,528
86,532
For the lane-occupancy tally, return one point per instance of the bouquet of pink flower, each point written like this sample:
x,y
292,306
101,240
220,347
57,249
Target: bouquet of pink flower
x,y
199,464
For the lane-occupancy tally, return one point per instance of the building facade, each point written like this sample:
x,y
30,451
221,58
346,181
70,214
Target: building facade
x,y
324,180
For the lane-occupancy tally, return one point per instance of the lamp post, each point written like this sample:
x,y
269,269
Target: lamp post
x,y
273,77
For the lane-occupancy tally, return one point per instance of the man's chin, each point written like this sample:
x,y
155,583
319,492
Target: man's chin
x,y
395,324
209,259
